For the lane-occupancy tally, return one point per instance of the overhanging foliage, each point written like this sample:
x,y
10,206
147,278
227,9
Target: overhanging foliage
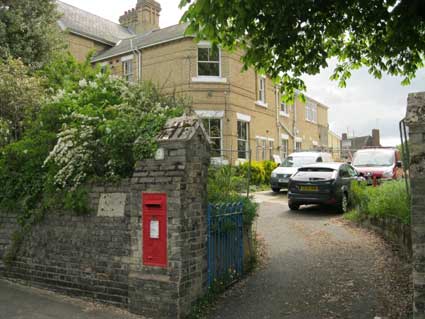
x,y
288,38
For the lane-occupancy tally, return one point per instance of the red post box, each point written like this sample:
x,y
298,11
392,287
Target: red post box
x,y
154,222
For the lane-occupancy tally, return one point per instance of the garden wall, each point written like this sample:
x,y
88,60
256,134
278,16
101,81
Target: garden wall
x,y
393,231
8,225
100,256
79,255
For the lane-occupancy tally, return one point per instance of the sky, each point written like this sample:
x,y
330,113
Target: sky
x,y
365,104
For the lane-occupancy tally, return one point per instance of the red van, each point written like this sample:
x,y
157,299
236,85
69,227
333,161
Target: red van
x,y
379,163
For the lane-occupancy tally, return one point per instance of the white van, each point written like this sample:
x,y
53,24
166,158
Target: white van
x,y
289,166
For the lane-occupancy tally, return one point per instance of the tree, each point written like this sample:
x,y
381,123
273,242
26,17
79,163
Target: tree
x,y
20,98
28,30
288,38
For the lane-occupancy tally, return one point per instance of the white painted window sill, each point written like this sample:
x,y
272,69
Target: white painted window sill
x,y
209,79
281,113
312,122
261,103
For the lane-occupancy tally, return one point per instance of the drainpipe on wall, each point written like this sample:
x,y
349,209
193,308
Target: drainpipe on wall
x,y
139,60
279,144
294,124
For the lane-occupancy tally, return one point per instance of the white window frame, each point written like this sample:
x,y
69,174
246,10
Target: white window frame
x,y
262,91
208,78
263,147
271,148
284,147
126,66
245,140
282,106
311,111
209,118
298,146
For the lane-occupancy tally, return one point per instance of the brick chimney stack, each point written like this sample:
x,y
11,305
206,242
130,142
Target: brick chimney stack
x,y
143,18
376,139
344,136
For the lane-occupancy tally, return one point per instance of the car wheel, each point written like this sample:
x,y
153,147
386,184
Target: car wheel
x,y
343,206
293,206
276,190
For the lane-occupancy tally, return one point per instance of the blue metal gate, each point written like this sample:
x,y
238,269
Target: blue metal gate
x,y
225,242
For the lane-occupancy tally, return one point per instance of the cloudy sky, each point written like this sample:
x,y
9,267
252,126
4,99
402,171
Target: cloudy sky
x,y
364,104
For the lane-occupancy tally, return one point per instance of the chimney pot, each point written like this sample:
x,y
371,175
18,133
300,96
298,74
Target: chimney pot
x,y
143,18
376,139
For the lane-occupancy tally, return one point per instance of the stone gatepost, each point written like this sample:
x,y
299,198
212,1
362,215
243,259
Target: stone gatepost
x,y
179,170
415,120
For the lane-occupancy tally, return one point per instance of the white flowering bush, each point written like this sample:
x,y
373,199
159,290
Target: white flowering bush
x,y
108,124
92,126
4,132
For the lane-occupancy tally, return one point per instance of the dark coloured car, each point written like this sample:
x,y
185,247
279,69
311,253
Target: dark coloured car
x,y
321,183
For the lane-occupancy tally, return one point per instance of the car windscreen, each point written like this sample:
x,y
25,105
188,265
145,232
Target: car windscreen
x,y
298,161
373,158
317,172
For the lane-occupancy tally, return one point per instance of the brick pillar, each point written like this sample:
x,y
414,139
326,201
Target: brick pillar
x,y
415,119
180,171
376,139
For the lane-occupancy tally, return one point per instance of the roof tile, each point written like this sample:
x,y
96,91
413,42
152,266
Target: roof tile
x,y
91,25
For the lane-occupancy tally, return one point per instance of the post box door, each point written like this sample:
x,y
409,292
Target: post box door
x,y
154,222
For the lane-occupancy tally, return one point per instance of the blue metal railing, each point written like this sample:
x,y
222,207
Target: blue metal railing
x,y
225,242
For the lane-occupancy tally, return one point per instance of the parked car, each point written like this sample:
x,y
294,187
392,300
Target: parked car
x,y
379,163
322,183
280,176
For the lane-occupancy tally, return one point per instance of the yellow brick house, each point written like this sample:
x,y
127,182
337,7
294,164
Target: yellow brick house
x,y
242,111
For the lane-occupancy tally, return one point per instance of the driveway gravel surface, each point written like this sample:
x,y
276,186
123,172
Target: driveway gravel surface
x,y
318,266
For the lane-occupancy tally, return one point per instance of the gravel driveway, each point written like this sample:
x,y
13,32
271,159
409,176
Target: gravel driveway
x,y
318,266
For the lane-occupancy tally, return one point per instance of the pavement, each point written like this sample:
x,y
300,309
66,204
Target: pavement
x,y
318,266
22,302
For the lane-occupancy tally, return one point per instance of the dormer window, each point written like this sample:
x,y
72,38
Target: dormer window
x,y
208,61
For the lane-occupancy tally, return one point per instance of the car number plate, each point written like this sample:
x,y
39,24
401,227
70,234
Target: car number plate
x,y
309,188
282,180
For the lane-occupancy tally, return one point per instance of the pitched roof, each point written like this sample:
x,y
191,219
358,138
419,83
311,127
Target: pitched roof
x,y
361,141
144,40
90,25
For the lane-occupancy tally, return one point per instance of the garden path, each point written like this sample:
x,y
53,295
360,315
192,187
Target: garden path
x,y
318,266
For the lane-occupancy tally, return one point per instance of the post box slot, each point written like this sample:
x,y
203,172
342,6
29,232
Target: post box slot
x,y
153,205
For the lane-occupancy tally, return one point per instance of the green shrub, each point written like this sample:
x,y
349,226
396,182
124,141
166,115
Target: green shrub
x,y
258,174
224,186
269,166
387,200
352,215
